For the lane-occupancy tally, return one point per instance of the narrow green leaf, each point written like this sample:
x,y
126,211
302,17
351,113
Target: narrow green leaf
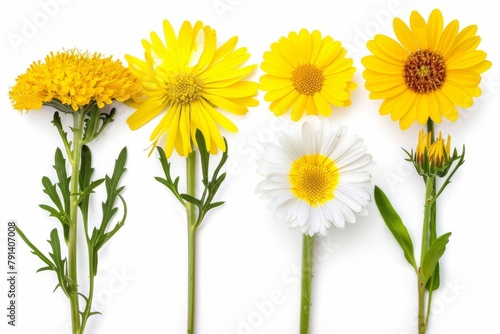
x,y
204,156
191,199
86,172
64,180
51,191
35,250
433,254
395,225
214,205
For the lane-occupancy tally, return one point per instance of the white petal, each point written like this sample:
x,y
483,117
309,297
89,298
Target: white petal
x,y
363,161
303,213
344,197
337,217
356,177
315,220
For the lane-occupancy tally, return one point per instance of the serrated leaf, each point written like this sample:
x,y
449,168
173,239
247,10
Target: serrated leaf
x,y
395,225
433,254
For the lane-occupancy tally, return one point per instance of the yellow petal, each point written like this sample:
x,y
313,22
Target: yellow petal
x,y
403,104
405,36
311,108
421,108
324,108
466,60
433,106
463,77
457,95
435,29
378,65
298,108
446,106
419,29
448,38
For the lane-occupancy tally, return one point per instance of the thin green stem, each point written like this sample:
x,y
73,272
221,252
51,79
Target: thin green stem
x,y
74,198
432,230
92,274
429,193
307,275
191,222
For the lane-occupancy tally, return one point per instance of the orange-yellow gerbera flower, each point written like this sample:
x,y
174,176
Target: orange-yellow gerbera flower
x,y
189,81
432,70
75,80
306,72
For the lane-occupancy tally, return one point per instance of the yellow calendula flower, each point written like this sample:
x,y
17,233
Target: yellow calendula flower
x,y
306,72
432,70
190,78
74,79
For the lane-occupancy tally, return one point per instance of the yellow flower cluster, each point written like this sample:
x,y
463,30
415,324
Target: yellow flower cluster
x,y
438,152
75,79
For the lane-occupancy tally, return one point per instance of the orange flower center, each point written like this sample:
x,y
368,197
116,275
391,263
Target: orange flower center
x,y
424,71
308,79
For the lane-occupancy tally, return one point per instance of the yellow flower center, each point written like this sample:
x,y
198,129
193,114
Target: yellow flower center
x,y
184,89
308,79
424,71
313,178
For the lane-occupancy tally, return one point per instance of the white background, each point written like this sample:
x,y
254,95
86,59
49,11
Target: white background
x,y
247,262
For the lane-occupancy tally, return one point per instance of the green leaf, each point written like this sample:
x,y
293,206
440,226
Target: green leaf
x,y
191,199
64,180
167,181
214,205
395,225
204,155
35,250
432,256
51,190
99,235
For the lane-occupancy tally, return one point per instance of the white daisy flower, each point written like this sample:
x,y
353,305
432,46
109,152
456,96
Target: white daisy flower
x,y
315,176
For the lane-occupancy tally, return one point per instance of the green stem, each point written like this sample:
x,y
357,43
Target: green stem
x,y
88,306
191,220
72,240
432,230
429,194
307,268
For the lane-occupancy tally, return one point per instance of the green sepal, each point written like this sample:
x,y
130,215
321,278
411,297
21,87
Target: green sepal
x,y
395,225
432,256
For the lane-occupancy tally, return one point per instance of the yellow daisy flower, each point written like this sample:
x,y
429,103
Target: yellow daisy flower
x,y
74,79
188,77
306,72
432,70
